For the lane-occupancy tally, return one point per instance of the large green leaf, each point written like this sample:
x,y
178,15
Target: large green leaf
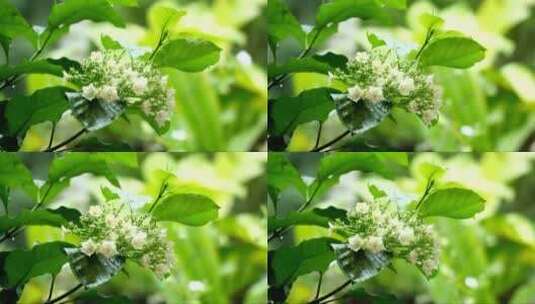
x,y
124,2
314,217
188,55
322,64
287,113
309,256
72,11
12,24
282,24
186,208
94,114
454,52
282,174
453,202
48,258
95,270
14,174
47,104
339,10
46,217
31,67
361,265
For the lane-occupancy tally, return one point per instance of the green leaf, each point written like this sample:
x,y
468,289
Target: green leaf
x,y
361,265
454,52
337,11
188,55
47,104
282,23
309,256
72,11
4,197
453,202
5,42
314,217
14,174
376,192
282,174
94,114
69,165
360,117
524,293
44,217
47,258
95,270
186,208
108,194
375,41
397,4
12,24
31,67
124,2
286,113
322,64
163,15
109,43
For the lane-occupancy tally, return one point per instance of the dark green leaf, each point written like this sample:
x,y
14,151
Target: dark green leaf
x,y
188,55
44,217
309,256
314,217
454,52
339,10
47,258
94,270
453,202
31,67
322,64
12,24
185,208
47,104
14,174
5,42
94,114
4,197
360,117
287,113
361,265
282,174
282,24
72,11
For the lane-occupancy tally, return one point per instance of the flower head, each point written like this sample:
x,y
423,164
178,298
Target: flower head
x,y
88,247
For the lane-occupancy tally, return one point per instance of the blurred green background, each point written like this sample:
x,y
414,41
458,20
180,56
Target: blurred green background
x,y
223,109
222,262
489,259
490,107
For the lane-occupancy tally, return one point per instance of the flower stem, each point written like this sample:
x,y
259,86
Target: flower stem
x,y
332,293
67,141
66,294
332,142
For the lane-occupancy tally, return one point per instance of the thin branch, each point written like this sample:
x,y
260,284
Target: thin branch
x,y
428,188
52,133
51,288
163,188
331,142
65,295
318,288
332,293
318,136
67,141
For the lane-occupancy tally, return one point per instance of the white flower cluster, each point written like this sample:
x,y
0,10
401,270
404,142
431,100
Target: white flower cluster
x,y
111,230
114,76
380,227
382,75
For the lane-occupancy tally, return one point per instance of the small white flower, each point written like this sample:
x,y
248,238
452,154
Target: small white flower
x,y
429,80
95,211
146,107
354,93
362,57
107,248
162,270
406,86
163,81
429,116
378,66
139,85
112,220
108,93
413,257
113,236
96,56
162,233
355,242
139,240
374,94
161,117
406,236
88,247
361,208
145,261
429,266
128,229
374,244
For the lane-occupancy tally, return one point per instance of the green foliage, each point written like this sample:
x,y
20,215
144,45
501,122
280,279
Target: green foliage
x,y
188,55
322,64
13,25
73,11
45,217
189,209
282,174
14,174
95,270
454,52
361,265
282,24
314,217
453,202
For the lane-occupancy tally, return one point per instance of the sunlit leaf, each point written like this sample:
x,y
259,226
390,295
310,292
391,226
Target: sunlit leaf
x,y
314,217
72,11
454,52
188,209
12,24
282,24
282,174
188,55
44,217
453,202
322,64
14,174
